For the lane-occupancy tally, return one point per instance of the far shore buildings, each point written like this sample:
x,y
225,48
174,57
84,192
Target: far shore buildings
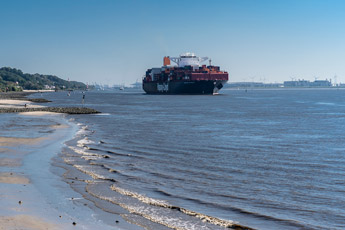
x,y
49,87
305,83
287,84
252,85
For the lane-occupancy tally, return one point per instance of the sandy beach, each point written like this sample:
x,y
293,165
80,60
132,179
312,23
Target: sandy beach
x,y
8,103
31,196
17,191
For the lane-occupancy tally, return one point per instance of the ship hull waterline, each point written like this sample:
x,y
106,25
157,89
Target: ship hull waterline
x,y
184,87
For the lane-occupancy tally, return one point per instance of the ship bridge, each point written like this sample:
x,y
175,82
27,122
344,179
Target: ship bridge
x,y
188,59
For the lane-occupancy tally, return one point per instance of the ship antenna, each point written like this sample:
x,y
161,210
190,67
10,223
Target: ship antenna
x,y
209,61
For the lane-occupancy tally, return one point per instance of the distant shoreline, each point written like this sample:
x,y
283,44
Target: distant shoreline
x,y
284,88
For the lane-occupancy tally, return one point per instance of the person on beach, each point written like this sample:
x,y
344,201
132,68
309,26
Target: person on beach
x,y
83,98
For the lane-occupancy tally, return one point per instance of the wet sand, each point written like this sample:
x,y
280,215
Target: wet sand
x,y
31,196
9,162
14,214
12,141
25,222
13,178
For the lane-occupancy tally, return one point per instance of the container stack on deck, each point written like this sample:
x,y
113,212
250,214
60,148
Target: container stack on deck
x,y
187,79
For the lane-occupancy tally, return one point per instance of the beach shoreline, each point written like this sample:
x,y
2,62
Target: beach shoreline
x,y
32,196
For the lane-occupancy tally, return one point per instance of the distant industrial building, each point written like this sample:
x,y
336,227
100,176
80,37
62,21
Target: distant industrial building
x,y
252,85
137,85
287,84
304,83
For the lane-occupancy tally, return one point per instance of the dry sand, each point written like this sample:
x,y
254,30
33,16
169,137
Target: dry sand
x,y
38,113
14,141
7,103
38,91
10,162
24,222
13,178
13,102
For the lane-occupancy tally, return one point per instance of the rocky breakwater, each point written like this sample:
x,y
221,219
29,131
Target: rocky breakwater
x,y
67,110
17,102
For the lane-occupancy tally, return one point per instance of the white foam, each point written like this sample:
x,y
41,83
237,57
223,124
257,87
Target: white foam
x,y
142,198
82,151
89,171
101,114
84,141
152,214
91,157
82,131
68,160
164,204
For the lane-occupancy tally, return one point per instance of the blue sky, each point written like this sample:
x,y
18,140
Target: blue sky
x,y
114,42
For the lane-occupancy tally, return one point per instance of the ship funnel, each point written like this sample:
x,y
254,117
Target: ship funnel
x,y
166,61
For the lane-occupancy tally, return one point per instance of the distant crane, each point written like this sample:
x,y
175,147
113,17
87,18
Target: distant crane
x,y
335,80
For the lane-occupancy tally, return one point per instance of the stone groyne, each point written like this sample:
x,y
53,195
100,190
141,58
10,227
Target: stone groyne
x,y
67,110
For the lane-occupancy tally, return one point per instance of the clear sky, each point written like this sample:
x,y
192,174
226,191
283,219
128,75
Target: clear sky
x,y
114,42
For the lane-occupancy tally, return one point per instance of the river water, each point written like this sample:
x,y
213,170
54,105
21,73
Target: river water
x,y
266,159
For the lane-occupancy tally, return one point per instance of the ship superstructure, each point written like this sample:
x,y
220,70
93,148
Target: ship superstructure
x,y
188,77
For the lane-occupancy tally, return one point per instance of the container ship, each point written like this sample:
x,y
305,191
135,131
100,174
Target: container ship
x,y
187,77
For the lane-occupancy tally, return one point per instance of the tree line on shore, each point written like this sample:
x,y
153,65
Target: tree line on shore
x,y
12,79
